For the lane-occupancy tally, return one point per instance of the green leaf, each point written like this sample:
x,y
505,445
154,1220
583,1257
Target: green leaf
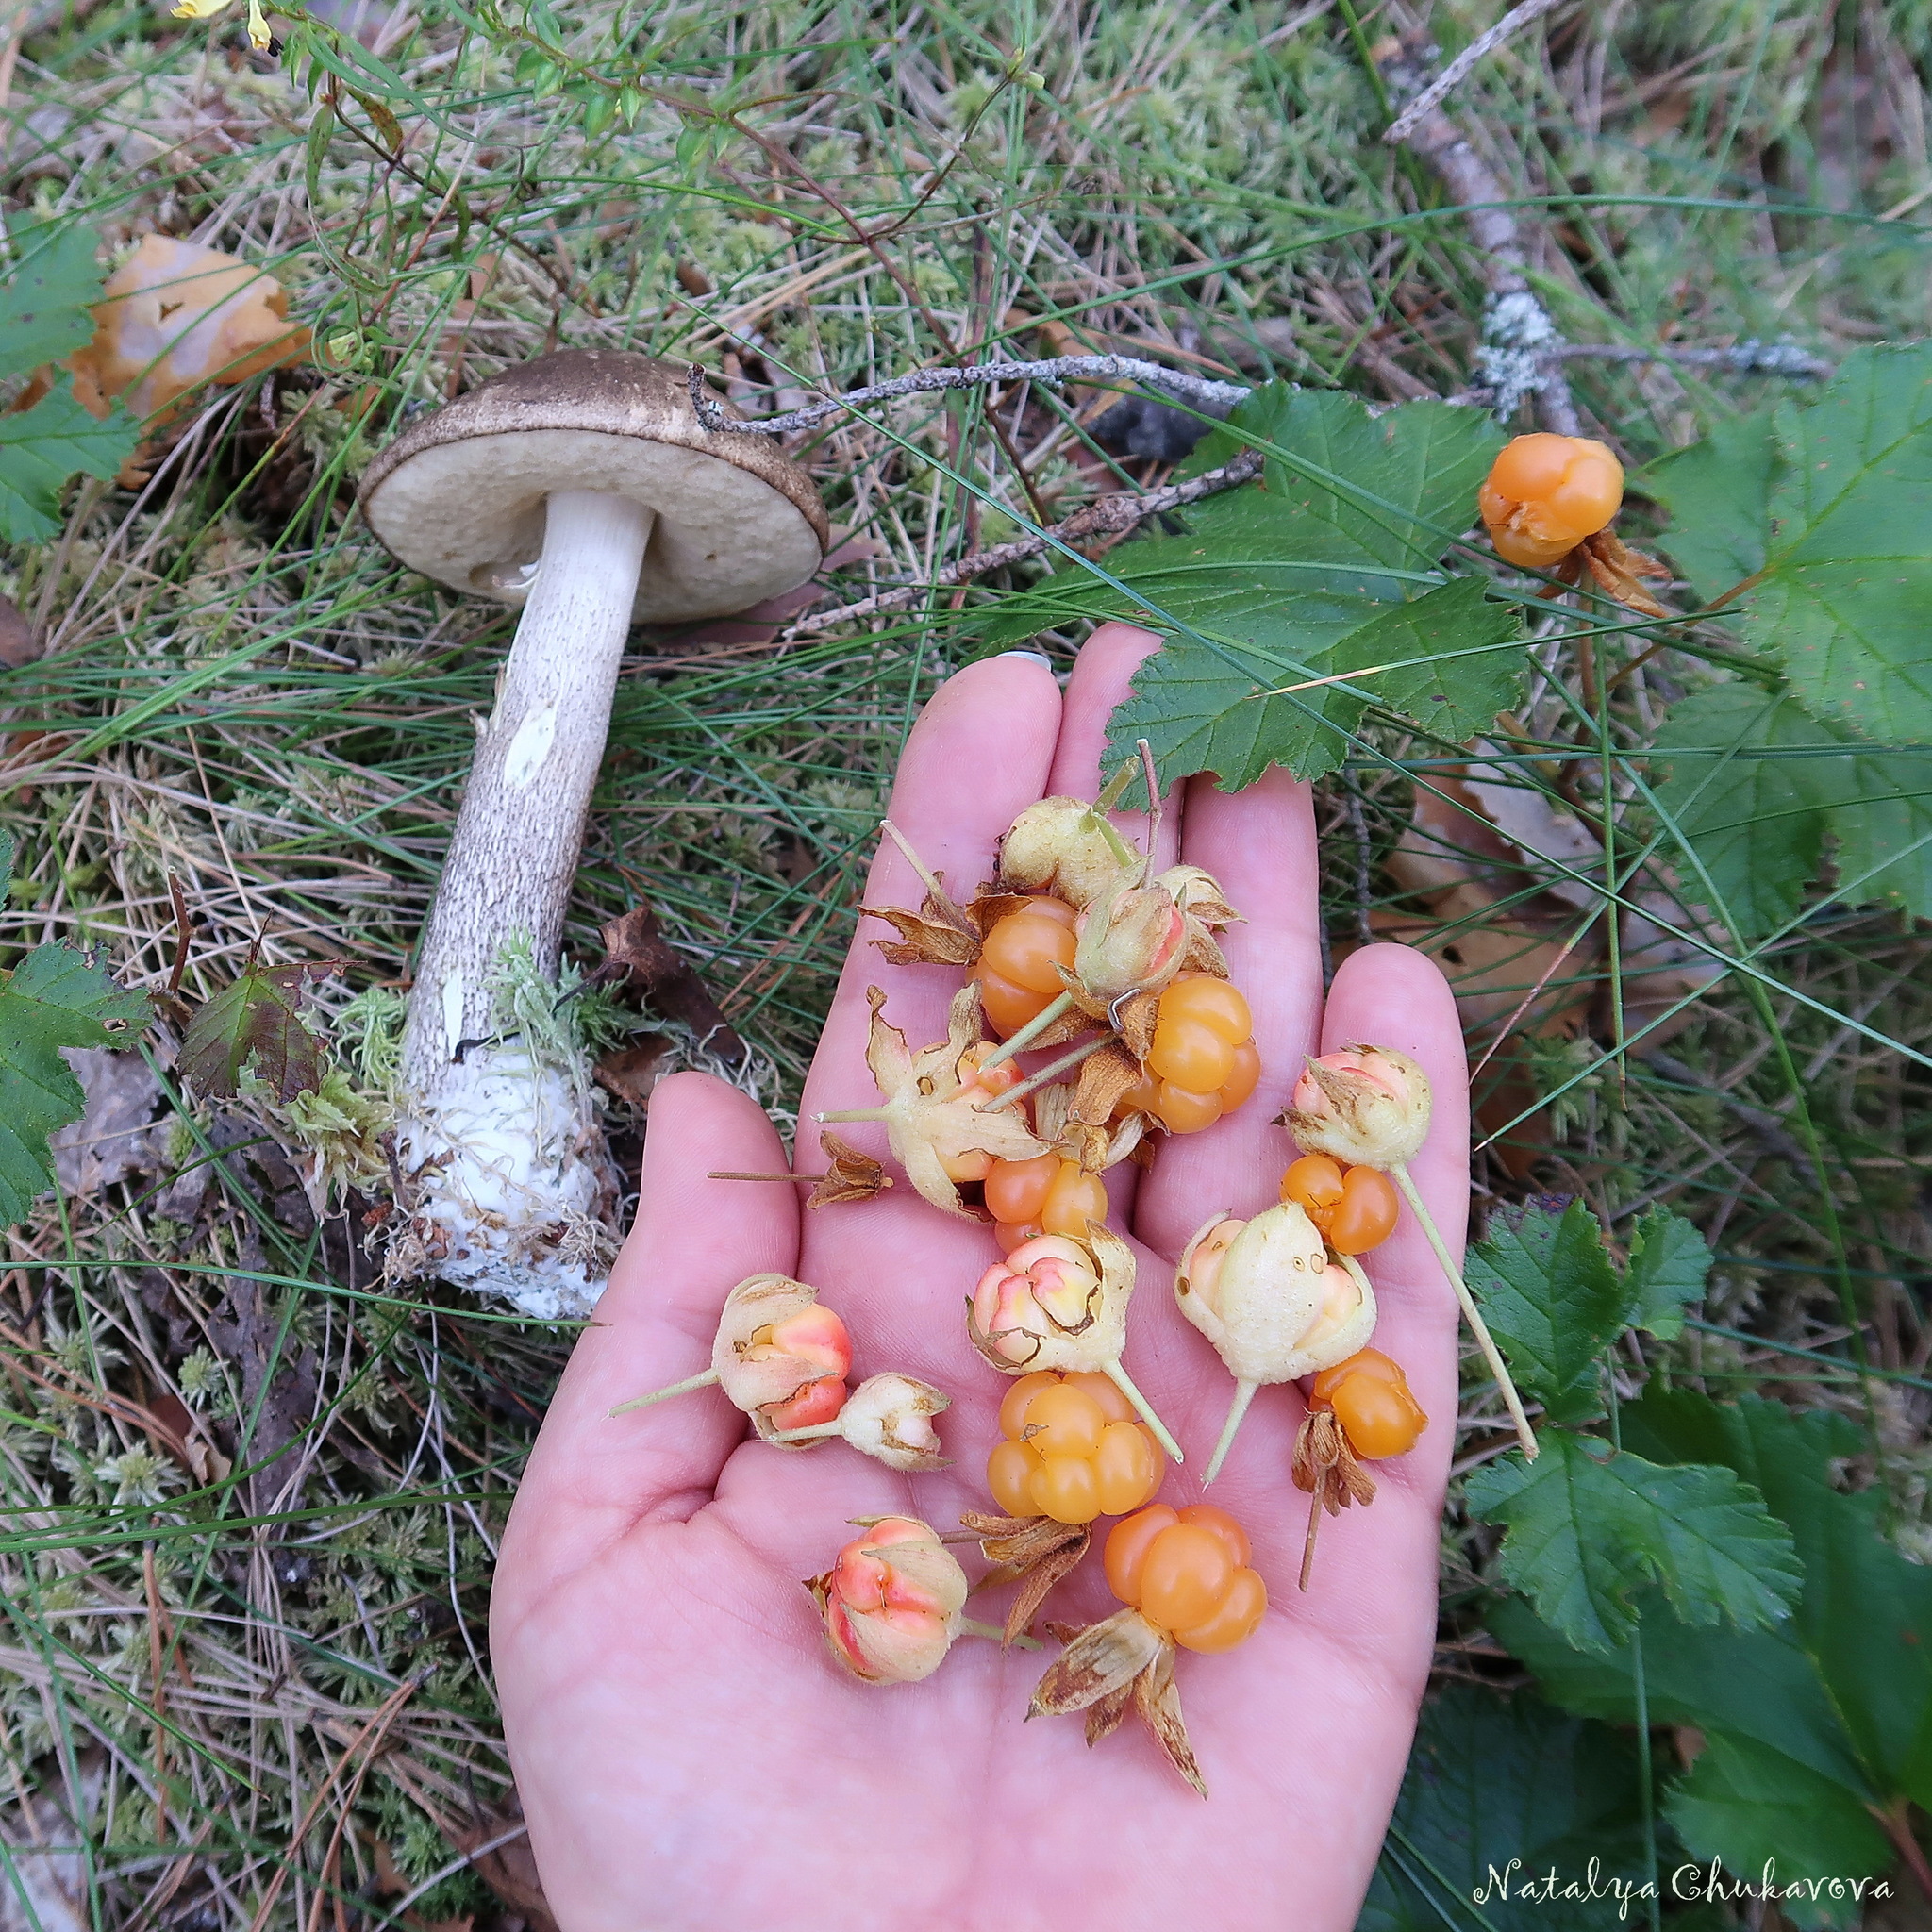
x,y
44,301
55,997
1827,509
1754,1810
1755,787
1553,1301
1362,488
1669,1263
1758,1686
1199,713
1588,1526
254,1025
1718,493
41,447
1453,670
1299,576
1846,598
1813,1726
1498,1791
1864,1616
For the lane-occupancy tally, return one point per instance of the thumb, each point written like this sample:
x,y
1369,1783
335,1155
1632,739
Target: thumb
x,y
592,1477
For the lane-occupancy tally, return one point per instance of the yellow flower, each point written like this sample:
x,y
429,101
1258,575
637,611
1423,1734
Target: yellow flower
x,y
207,10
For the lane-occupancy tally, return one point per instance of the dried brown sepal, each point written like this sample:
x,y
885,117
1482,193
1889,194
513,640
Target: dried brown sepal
x,y
1198,893
1104,1719
1326,1468
1103,1658
929,1115
1134,1020
1053,1108
1108,1664
942,933
1616,568
1104,1079
849,1175
1204,954
993,905
1158,1698
1033,1551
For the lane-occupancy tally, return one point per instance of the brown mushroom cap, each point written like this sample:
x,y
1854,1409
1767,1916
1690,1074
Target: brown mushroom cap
x,y
459,494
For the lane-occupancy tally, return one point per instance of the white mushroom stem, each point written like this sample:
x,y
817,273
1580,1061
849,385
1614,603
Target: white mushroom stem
x,y
511,1176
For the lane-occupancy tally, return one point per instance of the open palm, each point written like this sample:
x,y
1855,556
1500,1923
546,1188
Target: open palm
x,y
689,1755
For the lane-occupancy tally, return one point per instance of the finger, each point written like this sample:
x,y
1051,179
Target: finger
x,y
1260,843
1375,1588
591,1475
977,757
896,1267
1102,676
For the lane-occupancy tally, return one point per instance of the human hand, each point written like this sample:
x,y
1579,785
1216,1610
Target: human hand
x,y
690,1757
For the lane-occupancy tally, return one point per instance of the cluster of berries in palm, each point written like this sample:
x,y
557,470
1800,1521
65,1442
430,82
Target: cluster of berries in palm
x,y
1080,954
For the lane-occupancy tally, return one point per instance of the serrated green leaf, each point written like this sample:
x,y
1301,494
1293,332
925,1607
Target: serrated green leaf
x,y
1553,1301
1717,492
1846,597
1589,1526
55,997
1669,1264
1408,477
1826,508
1756,785
44,301
41,447
1756,1810
253,1025
1865,1614
1200,713
1505,1788
1825,1716
1754,1685
1455,669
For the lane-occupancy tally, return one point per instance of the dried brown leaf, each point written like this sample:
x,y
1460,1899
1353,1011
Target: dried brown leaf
x,y
639,960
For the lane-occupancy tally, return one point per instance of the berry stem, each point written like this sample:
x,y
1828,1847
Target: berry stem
x,y
718,1174
1154,804
815,1433
1116,1372
1314,1529
971,1626
1047,1076
850,1113
1028,1033
1472,1314
1243,1395
929,879
683,1388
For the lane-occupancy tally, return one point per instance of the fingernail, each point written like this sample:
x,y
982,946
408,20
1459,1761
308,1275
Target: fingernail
x,y
1039,657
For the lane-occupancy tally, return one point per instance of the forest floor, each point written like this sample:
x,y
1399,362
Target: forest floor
x,y
221,1422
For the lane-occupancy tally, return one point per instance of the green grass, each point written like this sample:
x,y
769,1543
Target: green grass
x,y
245,697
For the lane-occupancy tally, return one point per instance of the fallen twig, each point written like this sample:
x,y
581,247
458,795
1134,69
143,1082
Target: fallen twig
x,y
1212,397
1106,516
1522,350
1452,75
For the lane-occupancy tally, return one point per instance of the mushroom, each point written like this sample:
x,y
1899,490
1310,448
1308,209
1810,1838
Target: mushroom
x,y
581,487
